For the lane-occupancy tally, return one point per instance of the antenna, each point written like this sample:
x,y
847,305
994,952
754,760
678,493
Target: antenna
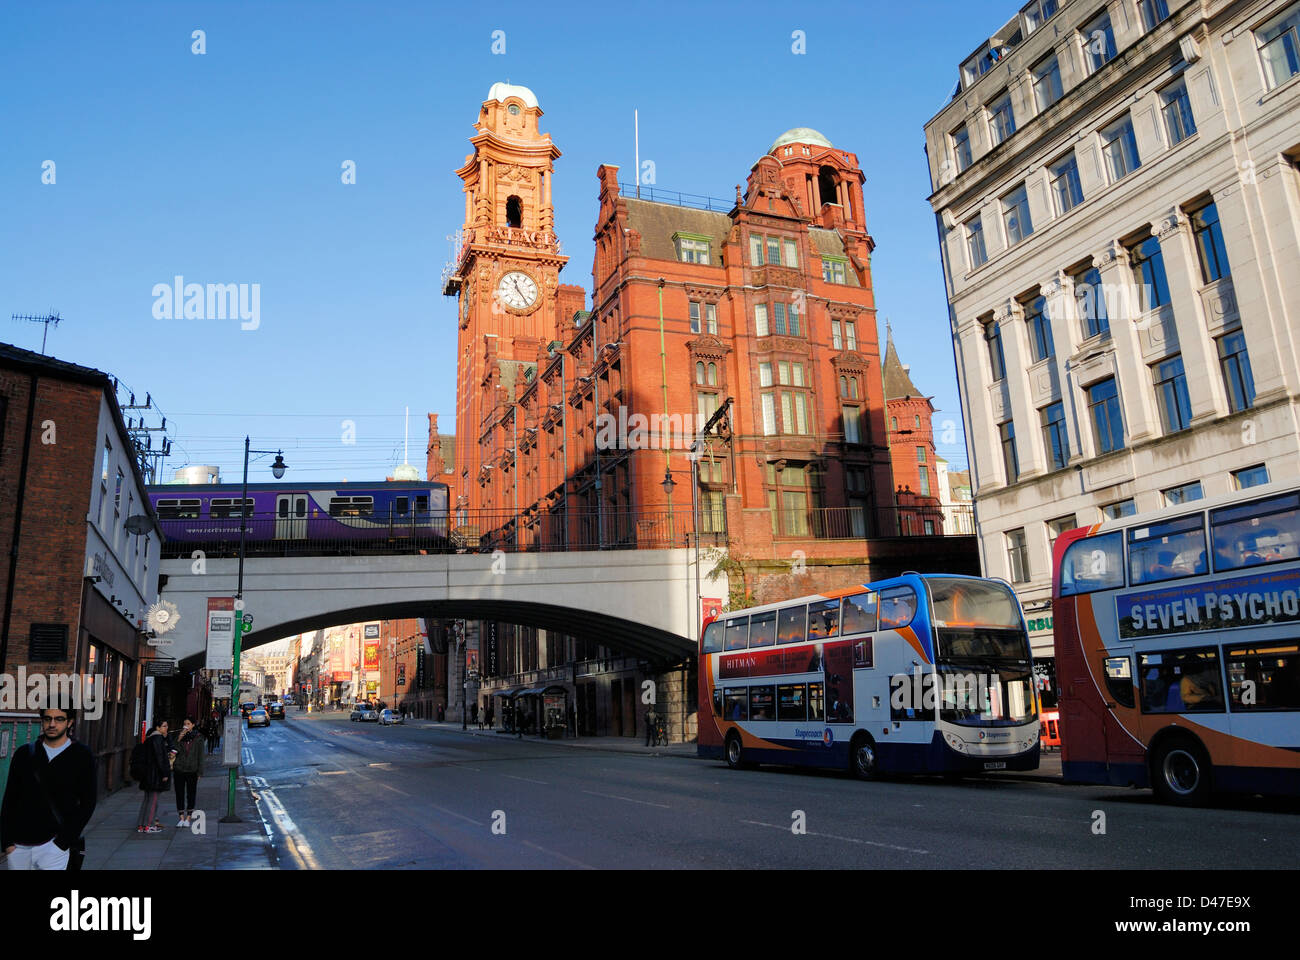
x,y
636,170
49,318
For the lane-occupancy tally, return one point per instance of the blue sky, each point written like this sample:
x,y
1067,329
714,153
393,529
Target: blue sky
x,y
225,168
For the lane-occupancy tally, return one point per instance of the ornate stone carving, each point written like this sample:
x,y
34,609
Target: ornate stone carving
x,y
1170,224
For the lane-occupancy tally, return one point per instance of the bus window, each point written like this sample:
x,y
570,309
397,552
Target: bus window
x,y
717,701
762,629
713,637
859,615
823,619
737,633
1181,681
1166,551
897,607
969,603
1263,531
1119,680
1093,563
1265,678
736,703
791,624
816,701
792,702
762,703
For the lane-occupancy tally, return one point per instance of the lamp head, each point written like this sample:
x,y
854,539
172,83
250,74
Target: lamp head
x,y
278,468
668,482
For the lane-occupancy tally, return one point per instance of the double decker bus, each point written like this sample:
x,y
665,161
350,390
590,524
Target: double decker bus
x,y
1178,647
916,674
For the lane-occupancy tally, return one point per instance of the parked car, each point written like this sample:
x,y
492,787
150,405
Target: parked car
x,y
363,712
387,717
276,710
259,718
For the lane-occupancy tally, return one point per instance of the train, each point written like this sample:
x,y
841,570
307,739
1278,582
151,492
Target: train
x,y
348,514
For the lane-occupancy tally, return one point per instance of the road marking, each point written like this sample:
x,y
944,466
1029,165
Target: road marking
x,y
831,836
330,773
552,853
248,757
614,796
382,766
392,788
453,813
297,845
526,779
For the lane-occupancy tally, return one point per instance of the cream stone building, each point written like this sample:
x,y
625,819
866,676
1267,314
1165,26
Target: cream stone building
x,y
1118,206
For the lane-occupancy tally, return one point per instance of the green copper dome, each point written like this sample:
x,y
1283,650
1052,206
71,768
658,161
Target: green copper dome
x,y
800,135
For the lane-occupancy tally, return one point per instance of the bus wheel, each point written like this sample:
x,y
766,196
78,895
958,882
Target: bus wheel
x,y
1180,773
733,751
862,757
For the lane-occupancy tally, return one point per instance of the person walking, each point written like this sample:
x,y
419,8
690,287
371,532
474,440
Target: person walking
x,y
649,726
49,798
150,766
187,767
491,716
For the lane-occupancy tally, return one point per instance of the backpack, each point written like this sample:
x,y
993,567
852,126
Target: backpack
x,y
140,761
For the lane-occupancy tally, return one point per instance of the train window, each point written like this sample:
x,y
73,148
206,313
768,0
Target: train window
x,y
792,624
177,509
226,507
352,506
422,503
403,505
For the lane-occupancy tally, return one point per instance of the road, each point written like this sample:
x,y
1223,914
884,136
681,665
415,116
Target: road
x,y
348,795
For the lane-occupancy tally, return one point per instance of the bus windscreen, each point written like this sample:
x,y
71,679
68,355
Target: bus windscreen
x,y
972,603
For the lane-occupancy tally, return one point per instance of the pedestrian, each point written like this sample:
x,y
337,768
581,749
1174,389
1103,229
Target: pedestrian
x,y
491,716
519,721
49,798
150,766
649,726
442,712
186,770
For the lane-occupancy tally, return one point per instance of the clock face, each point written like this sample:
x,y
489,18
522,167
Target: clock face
x,y
517,290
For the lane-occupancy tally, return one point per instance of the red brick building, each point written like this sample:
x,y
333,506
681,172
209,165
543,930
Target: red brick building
x,y
911,448
75,583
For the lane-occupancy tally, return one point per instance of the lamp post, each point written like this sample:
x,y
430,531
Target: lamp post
x,y
277,469
668,484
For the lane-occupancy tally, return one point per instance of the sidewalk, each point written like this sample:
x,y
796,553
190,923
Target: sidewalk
x,y
113,844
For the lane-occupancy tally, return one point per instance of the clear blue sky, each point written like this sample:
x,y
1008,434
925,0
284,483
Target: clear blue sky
x,y
225,168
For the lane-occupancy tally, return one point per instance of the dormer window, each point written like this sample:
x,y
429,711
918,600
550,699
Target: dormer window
x,y
826,185
692,248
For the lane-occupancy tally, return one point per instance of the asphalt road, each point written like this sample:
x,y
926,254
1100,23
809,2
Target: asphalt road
x,y
342,795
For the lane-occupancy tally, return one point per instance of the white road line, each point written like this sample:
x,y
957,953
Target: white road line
x,y
453,813
295,842
392,788
328,773
614,796
831,836
526,779
248,757
552,853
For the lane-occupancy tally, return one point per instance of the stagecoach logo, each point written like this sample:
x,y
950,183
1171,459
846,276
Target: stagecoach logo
x,y
828,737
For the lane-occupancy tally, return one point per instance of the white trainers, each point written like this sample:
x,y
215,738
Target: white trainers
x,y
183,822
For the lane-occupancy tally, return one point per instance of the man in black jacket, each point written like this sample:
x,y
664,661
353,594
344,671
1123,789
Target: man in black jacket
x,y
49,797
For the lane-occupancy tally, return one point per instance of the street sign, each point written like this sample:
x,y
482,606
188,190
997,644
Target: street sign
x,y
160,668
233,742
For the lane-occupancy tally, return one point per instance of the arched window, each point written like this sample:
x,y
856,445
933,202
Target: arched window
x,y
699,371
713,374
853,388
826,185
844,386
514,211
893,423
918,419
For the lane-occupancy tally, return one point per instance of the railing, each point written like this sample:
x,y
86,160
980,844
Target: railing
x,y
697,201
857,523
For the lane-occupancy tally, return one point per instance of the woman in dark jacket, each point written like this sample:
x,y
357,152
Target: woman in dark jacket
x,y
156,779
187,767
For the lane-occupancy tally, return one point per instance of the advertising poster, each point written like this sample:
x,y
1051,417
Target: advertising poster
x,y
471,662
710,610
372,656
221,634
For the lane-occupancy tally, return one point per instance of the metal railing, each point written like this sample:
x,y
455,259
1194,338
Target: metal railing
x,y
694,200
857,523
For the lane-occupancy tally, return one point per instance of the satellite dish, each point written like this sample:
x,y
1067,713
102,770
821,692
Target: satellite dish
x,y
138,524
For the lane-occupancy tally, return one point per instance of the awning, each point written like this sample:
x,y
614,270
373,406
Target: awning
x,y
508,693
531,691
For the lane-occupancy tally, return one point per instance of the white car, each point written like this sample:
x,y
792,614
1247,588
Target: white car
x,y
362,713
389,716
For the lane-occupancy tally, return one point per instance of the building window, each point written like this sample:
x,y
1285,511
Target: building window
x,y
920,455
837,340
1107,423
1054,436
774,251
692,249
117,492
706,405
1018,555
1209,243
975,242
1038,13
1149,274
778,318
1119,146
1279,47
1249,477
1007,435
791,252
1040,328
791,496
695,317
850,335
764,374
1002,120
961,147
760,320
1015,215
1237,378
851,416
1090,303
1120,510
924,480
1171,395
769,414
833,270
1066,189
1057,527
1098,43
1047,83
1175,496
1177,108
1154,12
997,360
916,419
712,512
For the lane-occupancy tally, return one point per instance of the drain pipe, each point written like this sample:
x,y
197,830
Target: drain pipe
x,y
663,365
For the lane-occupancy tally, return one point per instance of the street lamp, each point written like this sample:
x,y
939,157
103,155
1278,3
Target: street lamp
x,y
277,470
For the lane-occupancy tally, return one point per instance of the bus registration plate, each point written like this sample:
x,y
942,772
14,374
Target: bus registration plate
x,y
995,765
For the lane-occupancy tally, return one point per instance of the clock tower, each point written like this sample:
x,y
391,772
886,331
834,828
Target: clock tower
x,y
506,279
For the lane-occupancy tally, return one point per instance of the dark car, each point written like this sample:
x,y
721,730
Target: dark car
x,y
247,707
275,709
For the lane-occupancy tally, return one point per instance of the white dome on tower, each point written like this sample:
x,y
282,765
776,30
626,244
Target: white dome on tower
x,y
501,92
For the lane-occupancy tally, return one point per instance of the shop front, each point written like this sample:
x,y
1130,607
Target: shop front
x,y
109,650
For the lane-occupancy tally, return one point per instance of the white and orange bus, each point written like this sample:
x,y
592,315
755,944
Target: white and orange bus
x,y
1178,647
917,674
